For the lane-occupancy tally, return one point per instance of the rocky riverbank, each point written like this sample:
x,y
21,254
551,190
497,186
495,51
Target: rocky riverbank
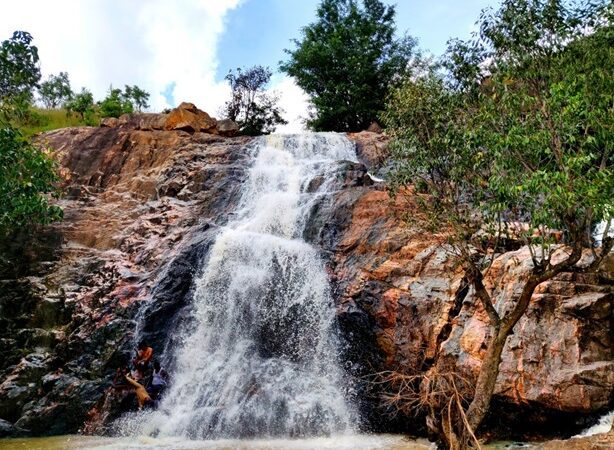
x,y
144,196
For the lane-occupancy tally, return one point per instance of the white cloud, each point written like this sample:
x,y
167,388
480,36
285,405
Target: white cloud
x,y
152,44
294,101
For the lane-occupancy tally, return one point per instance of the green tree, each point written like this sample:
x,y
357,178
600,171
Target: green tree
x,y
346,61
28,181
137,96
115,104
28,177
55,91
514,142
252,107
19,72
81,103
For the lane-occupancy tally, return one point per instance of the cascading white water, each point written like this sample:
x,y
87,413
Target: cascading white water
x,y
261,357
605,424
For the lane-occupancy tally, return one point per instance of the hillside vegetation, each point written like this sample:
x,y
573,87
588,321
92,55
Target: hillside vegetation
x,y
41,120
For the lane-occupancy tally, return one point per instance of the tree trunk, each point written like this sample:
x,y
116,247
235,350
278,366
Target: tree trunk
x,y
487,379
489,371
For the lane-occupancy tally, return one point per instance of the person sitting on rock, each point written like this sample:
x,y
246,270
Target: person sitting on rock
x,y
142,360
142,397
159,381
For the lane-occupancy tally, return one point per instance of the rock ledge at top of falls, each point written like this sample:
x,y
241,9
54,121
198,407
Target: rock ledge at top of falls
x,y
142,206
185,117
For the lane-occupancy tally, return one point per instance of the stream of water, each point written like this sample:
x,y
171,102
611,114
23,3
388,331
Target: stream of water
x,y
260,359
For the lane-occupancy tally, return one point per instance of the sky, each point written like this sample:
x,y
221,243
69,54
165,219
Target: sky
x,y
181,50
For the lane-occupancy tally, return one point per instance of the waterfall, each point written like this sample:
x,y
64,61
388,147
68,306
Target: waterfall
x,y
260,358
604,425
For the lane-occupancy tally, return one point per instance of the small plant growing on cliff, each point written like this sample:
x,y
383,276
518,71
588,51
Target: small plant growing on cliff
x,y
253,108
513,143
346,61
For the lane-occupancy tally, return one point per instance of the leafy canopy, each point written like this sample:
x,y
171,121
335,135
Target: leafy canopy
x,y
519,128
19,68
115,104
251,106
55,91
137,96
28,177
346,61
82,104
19,74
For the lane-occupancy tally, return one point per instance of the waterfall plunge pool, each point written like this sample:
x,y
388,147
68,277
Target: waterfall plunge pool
x,y
342,442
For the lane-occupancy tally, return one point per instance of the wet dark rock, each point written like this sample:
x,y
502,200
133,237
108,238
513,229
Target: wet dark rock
x,y
8,430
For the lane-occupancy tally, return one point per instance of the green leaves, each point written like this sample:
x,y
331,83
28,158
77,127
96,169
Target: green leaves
x,y
519,128
138,97
115,104
251,106
19,70
346,61
28,181
55,91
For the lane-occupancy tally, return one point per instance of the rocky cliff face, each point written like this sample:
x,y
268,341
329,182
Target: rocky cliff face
x,y
140,209
142,206
405,306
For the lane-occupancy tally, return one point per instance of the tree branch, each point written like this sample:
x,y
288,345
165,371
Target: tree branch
x,y
477,279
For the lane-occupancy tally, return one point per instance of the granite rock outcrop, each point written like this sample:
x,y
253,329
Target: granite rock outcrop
x,y
143,202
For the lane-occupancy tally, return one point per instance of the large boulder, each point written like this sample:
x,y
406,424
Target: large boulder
x,y
188,117
372,150
143,121
109,122
227,127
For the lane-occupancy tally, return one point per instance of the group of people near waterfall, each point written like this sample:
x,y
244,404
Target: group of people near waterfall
x,y
146,376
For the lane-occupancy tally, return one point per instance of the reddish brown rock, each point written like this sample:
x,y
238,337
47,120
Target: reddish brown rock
x,y
227,127
597,442
143,121
109,122
375,127
141,208
188,117
560,355
371,148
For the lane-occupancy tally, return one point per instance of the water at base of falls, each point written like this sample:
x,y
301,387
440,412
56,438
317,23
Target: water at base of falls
x,y
603,425
260,358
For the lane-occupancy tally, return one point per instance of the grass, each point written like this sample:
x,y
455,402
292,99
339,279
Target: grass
x,y
42,120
